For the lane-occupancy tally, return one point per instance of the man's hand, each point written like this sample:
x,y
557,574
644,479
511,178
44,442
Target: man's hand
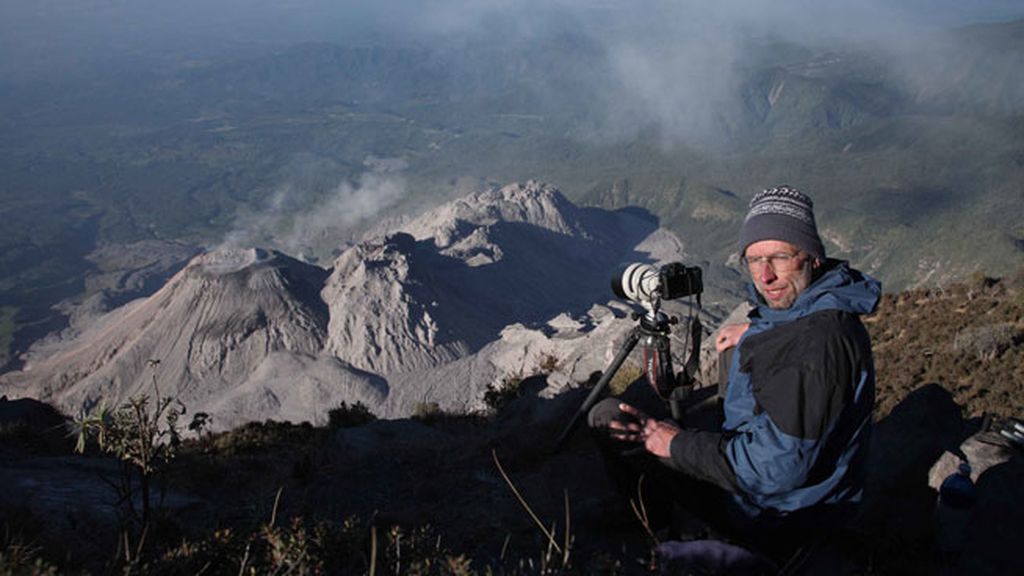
x,y
656,435
729,335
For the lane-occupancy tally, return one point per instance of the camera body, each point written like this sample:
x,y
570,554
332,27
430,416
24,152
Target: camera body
x,y
678,281
645,283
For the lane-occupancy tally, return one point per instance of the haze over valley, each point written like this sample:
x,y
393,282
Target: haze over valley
x,y
134,135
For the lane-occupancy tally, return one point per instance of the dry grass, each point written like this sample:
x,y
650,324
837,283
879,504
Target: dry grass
x,y
966,337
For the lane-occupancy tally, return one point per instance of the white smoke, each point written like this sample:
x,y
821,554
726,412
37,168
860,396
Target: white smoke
x,y
679,86
315,231
675,66
670,63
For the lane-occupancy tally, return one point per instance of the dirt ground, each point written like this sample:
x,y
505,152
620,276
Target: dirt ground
x,y
944,358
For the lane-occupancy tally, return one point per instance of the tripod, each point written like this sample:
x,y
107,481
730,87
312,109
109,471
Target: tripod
x,y
653,330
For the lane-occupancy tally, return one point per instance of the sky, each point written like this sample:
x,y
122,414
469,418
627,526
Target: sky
x,y
59,36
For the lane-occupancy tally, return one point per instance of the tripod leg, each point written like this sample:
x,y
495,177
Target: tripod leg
x,y
595,393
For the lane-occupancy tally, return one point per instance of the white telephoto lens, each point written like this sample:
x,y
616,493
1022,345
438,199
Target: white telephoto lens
x,y
640,282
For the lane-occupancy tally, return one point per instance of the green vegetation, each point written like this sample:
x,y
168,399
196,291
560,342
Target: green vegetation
x,y
345,416
351,546
18,558
497,396
628,373
144,434
255,436
428,412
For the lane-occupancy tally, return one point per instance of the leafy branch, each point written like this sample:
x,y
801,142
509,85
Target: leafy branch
x,y
143,433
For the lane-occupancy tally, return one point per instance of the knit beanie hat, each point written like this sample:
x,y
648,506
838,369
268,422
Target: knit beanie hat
x,y
785,214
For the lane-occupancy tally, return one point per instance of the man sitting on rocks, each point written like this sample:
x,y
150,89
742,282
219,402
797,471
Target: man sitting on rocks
x,y
789,459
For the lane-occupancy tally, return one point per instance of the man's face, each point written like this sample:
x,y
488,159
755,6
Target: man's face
x,y
780,271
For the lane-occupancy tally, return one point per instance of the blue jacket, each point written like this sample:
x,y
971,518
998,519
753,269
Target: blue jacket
x,y
799,401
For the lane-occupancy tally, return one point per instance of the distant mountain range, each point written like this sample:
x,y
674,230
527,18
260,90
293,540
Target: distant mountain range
x,y
915,159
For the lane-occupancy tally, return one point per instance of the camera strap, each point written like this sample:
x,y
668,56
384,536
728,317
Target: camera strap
x,y
692,367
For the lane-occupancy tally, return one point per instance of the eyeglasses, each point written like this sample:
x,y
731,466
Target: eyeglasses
x,y
781,262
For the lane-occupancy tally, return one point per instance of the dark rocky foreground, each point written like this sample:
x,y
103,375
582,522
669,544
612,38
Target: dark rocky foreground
x,y
432,487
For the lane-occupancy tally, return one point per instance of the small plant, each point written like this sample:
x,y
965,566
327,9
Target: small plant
x,y
294,549
497,397
254,437
18,557
15,562
548,364
200,422
427,411
556,558
352,546
346,416
142,433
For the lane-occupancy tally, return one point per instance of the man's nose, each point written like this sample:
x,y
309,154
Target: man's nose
x,y
767,275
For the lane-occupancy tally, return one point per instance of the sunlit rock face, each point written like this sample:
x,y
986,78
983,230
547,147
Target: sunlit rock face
x,y
218,328
482,288
450,281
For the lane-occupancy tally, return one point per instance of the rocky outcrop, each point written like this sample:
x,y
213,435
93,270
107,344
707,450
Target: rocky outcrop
x,y
452,280
383,315
488,287
534,203
208,330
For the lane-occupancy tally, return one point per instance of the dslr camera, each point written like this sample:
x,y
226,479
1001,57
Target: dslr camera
x,y
647,284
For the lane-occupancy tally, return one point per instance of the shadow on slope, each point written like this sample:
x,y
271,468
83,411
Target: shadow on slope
x,y
441,471
541,274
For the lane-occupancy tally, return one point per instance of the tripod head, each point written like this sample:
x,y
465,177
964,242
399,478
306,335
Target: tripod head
x,y
654,330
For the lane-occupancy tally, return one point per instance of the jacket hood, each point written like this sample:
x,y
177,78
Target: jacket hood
x,y
839,287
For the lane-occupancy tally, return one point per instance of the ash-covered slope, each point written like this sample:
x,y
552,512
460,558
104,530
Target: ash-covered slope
x,y
382,307
436,310
220,330
452,279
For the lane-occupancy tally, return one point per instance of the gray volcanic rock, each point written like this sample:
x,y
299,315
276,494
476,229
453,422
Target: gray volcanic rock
x,y
534,203
382,305
451,280
221,323
485,288
295,387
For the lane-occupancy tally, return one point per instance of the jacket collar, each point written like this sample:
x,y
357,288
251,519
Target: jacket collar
x,y
839,287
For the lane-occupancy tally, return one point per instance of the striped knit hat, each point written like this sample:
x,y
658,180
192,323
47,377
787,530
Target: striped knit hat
x,y
785,214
